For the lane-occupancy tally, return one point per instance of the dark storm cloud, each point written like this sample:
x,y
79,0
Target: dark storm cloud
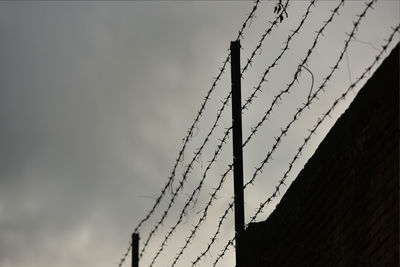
x,y
94,101
88,99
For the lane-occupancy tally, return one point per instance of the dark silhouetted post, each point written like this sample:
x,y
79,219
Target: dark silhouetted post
x,y
237,149
135,250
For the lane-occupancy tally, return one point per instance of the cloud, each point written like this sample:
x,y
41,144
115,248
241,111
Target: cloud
x,y
95,99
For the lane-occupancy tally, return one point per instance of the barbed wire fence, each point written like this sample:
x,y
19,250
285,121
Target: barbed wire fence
x,y
281,14
308,137
198,151
189,134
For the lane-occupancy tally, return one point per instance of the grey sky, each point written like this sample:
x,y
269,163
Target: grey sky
x,y
95,98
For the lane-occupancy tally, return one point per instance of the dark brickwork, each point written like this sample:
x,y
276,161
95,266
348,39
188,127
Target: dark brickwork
x,y
343,208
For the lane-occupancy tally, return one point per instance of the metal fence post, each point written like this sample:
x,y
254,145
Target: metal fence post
x,y
135,250
237,150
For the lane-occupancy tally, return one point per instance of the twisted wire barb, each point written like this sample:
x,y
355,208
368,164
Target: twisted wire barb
x,y
263,36
188,169
311,132
190,133
249,18
296,75
319,122
223,140
278,140
257,88
178,159
196,156
199,150
230,167
181,216
308,102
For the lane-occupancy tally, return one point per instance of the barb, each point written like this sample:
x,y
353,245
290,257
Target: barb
x,y
278,140
257,88
180,155
249,18
197,154
219,147
190,200
311,132
196,227
319,122
197,190
225,249
190,131
264,35
321,88
172,230
125,255
296,75
315,95
188,169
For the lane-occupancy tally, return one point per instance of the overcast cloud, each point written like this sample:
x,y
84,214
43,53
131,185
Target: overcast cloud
x,y
95,98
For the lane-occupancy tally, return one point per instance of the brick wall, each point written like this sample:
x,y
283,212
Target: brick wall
x,y
343,208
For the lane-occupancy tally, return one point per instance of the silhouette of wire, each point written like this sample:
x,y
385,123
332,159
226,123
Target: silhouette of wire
x,y
248,19
223,140
263,36
196,227
257,88
199,150
306,105
188,169
311,132
190,132
296,75
312,81
306,140
284,131
319,122
273,149
194,159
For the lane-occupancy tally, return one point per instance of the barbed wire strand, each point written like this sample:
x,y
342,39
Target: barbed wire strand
x,y
263,79
197,154
319,122
269,154
199,150
190,133
281,182
296,75
306,140
188,169
308,102
278,139
264,35
223,141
